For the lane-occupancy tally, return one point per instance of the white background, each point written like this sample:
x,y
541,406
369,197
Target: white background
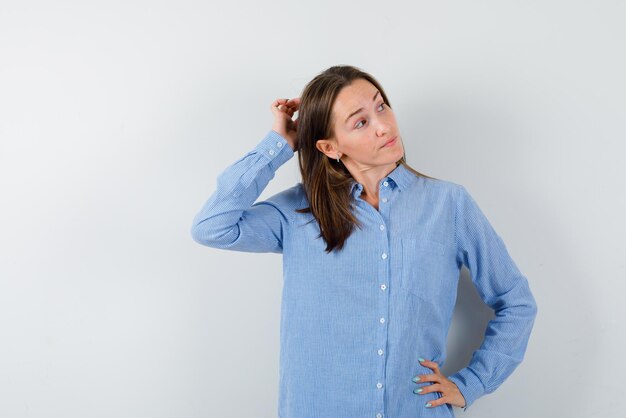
x,y
117,116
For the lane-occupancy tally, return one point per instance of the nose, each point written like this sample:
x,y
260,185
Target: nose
x,y
383,128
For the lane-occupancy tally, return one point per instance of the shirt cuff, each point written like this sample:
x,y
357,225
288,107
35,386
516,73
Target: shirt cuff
x,y
469,385
276,147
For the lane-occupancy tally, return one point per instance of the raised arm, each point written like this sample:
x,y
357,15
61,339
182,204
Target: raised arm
x,y
501,286
230,218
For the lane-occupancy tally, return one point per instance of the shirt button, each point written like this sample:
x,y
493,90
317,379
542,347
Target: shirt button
x,y
271,152
382,286
384,199
279,144
386,184
384,255
382,320
380,352
379,415
379,385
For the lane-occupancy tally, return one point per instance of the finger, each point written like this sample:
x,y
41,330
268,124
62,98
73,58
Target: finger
x,y
435,387
278,102
430,378
289,110
274,106
285,109
431,365
435,403
294,103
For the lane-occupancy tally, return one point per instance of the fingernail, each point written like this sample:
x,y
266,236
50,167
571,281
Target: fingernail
x,y
417,390
428,405
416,379
420,359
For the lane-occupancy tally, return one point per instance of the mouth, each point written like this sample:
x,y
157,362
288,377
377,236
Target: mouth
x,y
391,142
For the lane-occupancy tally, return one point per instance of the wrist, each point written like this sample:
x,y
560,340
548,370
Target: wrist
x,y
279,131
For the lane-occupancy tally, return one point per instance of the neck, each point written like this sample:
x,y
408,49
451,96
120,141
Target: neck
x,y
370,178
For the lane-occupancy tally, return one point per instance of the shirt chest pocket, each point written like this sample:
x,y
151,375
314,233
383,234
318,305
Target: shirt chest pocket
x,y
424,270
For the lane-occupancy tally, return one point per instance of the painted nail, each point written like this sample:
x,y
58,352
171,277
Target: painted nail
x,y
420,359
428,405
416,379
417,390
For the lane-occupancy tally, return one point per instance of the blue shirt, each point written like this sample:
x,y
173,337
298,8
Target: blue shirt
x,y
354,322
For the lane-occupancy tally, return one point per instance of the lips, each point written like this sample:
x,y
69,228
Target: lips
x,y
390,141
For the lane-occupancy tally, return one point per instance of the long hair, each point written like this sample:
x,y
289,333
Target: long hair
x,y
327,182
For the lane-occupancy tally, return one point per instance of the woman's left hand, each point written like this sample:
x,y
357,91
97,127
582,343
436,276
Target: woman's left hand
x,y
449,390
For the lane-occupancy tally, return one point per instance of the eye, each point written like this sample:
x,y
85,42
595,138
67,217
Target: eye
x,y
379,106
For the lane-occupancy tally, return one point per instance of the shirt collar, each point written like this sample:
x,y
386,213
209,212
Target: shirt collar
x,y
399,177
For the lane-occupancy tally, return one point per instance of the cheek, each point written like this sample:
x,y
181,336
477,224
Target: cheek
x,y
354,144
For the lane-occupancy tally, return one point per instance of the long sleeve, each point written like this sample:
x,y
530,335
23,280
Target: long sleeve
x,y
501,286
230,219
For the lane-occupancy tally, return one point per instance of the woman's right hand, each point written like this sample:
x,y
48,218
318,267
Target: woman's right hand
x,y
283,110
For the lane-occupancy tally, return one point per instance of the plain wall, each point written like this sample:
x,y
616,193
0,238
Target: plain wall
x,y
117,116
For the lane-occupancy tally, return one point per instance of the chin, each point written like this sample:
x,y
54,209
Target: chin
x,y
400,153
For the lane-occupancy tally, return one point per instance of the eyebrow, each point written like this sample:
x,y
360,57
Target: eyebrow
x,y
360,109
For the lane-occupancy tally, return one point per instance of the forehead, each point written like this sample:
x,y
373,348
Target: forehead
x,y
359,93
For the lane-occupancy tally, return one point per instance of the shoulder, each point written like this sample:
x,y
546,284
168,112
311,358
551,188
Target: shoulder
x,y
441,187
288,200
289,196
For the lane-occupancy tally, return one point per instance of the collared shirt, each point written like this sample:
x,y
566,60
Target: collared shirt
x,y
355,322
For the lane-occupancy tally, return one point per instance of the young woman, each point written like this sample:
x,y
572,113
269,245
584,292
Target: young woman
x,y
372,251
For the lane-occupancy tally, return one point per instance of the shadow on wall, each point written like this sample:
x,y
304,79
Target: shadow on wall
x,y
469,322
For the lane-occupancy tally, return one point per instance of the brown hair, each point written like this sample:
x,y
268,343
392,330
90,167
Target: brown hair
x,y
327,182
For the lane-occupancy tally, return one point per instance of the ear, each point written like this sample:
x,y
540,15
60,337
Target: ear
x,y
327,147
